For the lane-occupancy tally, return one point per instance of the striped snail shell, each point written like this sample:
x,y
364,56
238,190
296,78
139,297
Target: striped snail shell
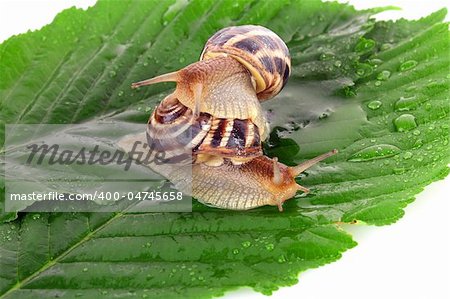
x,y
260,50
214,122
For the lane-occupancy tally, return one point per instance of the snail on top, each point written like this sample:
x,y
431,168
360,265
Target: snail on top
x,y
215,117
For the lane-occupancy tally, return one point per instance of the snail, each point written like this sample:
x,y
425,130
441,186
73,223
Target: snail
x,y
213,123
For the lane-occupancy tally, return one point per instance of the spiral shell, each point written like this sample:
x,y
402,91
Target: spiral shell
x,y
260,50
176,131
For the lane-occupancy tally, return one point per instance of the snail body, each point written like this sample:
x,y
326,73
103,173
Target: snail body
x,y
215,124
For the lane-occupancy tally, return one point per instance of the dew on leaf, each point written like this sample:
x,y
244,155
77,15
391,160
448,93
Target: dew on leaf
x,y
282,259
407,103
235,251
405,122
407,65
407,155
377,83
326,56
384,75
375,62
385,46
246,244
418,143
374,105
364,45
416,132
270,246
338,63
364,69
374,152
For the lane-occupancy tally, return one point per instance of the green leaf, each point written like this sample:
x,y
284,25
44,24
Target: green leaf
x,y
377,91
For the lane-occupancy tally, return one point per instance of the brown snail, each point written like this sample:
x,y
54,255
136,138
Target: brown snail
x,y
214,122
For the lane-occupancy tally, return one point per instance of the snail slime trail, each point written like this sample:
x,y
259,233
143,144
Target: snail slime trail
x,y
214,122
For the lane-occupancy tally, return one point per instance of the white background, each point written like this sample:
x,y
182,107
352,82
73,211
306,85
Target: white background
x,y
409,259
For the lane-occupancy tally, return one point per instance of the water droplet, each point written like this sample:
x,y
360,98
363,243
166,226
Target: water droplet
x,y
282,259
418,143
235,251
374,105
375,152
326,56
416,132
338,63
385,46
270,246
36,216
406,104
364,69
85,269
182,59
148,244
112,74
120,93
405,122
407,155
104,292
384,75
246,244
377,83
145,63
364,45
375,62
407,65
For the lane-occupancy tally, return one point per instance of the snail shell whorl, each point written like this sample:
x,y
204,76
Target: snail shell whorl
x,y
174,130
260,50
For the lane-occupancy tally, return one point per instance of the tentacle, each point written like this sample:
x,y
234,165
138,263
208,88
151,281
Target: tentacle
x,y
169,77
277,177
296,170
303,189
